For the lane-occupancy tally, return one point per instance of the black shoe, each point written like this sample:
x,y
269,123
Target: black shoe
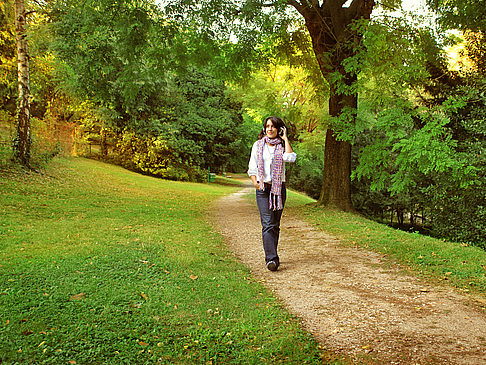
x,y
272,266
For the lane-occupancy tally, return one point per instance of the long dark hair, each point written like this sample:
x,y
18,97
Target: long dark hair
x,y
277,123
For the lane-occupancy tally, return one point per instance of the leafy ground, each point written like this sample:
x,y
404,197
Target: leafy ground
x,y
101,265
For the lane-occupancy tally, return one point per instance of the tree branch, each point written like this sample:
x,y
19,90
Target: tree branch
x,y
39,3
360,8
383,5
294,3
335,3
301,8
354,6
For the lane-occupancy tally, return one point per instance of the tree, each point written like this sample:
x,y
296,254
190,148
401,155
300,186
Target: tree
x,y
334,39
208,123
119,56
419,133
22,141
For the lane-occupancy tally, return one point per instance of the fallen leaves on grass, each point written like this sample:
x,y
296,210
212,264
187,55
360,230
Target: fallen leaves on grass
x,y
193,277
77,296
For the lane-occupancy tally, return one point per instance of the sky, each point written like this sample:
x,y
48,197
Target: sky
x,y
412,7
413,4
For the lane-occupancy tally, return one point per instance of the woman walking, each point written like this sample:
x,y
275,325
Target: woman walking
x,y
267,173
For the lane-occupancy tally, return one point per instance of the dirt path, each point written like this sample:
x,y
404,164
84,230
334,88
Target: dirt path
x,y
350,301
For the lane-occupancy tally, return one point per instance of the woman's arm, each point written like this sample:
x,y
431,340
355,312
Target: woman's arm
x,y
252,167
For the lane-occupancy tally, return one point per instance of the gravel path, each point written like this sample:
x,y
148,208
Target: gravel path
x,y
350,301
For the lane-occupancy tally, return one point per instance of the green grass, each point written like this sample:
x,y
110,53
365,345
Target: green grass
x,y
102,265
450,263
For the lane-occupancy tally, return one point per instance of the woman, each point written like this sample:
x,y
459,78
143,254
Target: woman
x,y
267,173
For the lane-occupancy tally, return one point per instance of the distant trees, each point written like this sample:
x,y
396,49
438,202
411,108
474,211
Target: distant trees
x,y
159,112
202,130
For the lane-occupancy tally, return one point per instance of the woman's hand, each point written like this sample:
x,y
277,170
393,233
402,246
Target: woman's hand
x,y
255,182
288,147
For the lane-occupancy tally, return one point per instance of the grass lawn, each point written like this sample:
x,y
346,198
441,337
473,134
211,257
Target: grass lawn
x,y
102,265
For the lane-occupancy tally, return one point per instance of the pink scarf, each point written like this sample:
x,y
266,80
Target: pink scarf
x,y
275,202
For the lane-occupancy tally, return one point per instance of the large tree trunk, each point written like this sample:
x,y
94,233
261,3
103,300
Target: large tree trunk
x,y
22,141
336,182
333,42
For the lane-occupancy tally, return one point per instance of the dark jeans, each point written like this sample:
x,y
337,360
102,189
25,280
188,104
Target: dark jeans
x,y
270,222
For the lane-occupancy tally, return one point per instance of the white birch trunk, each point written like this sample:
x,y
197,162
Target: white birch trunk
x,y
22,140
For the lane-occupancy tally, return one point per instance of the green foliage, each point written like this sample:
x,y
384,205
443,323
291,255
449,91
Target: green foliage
x,y
306,173
286,91
460,14
201,128
126,64
152,156
461,197
207,130
101,265
119,56
244,36
416,151
8,66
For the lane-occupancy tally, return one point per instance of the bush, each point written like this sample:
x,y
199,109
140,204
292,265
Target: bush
x,y
305,174
152,156
458,214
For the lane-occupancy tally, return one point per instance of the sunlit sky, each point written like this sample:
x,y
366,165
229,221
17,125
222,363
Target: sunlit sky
x,y
417,7
413,4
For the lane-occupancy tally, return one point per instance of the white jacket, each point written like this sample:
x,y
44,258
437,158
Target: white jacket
x,y
268,153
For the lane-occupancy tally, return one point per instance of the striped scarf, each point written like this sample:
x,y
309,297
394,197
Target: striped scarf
x,y
275,202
